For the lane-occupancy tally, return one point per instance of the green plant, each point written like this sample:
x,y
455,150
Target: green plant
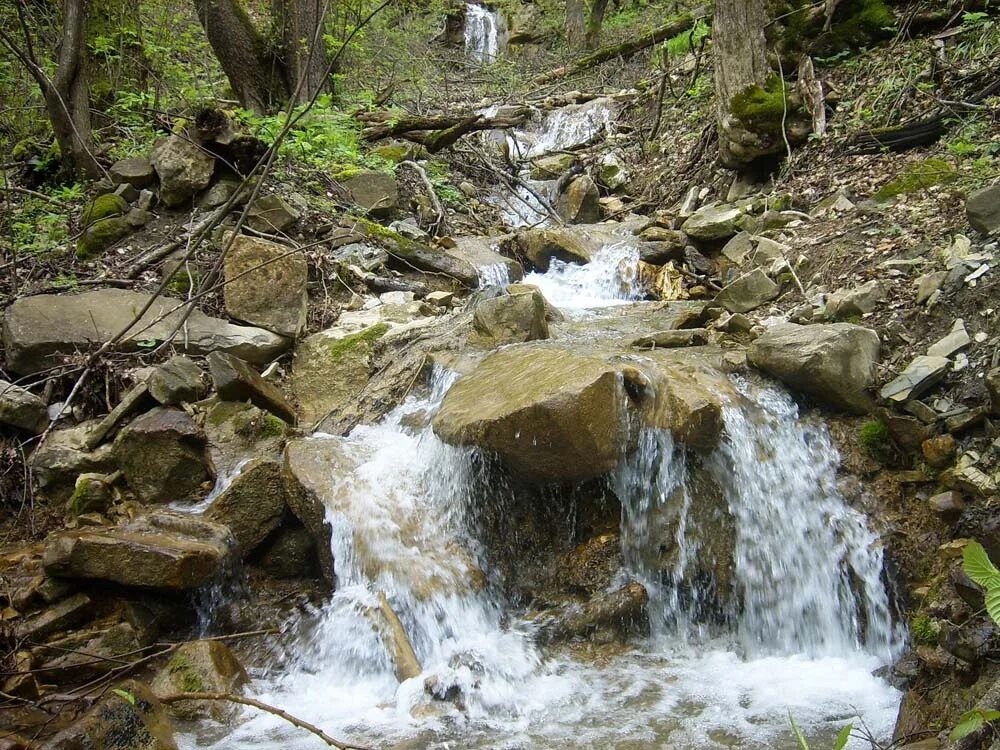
x,y
839,744
874,436
972,721
922,631
978,566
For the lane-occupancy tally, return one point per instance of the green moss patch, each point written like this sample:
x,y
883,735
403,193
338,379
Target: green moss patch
x,y
920,176
874,437
339,348
923,631
763,108
102,207
185,675
100,235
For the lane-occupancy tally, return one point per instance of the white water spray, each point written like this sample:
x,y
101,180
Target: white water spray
x,y
610,278
482,33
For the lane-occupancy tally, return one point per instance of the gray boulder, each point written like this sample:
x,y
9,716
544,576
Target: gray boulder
x,y
983,209
179,380
375,192
184,168
64,456
511,319
135,171
834,363
713,223
22,409
162,456
306,470
271,214
157,551
748,292
579,203
266,285
50,330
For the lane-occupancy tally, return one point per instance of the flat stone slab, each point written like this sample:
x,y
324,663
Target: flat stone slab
x,y
21,408
956,340
157,551
47,330
235,380
922,374
748,292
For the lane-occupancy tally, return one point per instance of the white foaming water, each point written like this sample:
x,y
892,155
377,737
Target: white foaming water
x,y
494,274
482,33
610,278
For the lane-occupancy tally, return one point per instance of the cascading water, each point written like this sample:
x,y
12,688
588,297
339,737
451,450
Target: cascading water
x,y
799,625
482,33
494,274
610,278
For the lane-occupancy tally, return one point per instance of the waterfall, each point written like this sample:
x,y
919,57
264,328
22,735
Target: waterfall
x,y
482,33
806,569
494,274
610,278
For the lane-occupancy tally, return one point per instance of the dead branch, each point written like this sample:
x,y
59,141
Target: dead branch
x,y
623,50
280,713
440,223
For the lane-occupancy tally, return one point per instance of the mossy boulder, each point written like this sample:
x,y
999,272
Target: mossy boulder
x,y
201,667
104,223
761,119
920,176
92,494
331,369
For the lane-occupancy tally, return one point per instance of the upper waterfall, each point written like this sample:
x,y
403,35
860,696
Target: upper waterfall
x,y
483,32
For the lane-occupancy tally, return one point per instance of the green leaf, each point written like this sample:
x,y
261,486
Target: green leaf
x,y
125,695
798,733
843,737
978,567
993,604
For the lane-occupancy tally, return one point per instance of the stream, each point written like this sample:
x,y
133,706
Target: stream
x,y
809,625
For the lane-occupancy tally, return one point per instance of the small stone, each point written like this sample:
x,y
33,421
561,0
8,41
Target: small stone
x,y
178,380
928,284
235,380
271,214
126,192
22,409
956,340
145,200
738,248
939,451
965,421
468,189
396,298
920,375
921,411
735,323
219,193
137,218
440,299
748,292
983,209
947,503
92,494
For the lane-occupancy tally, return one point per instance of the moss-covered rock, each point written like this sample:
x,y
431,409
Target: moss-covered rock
x,y
920,176
101,235
128,718
331,369
102,207
92,494
201,667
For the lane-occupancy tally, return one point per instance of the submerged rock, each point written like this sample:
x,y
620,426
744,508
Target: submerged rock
x,y
622,611
834,363
156,551
49,330
201,667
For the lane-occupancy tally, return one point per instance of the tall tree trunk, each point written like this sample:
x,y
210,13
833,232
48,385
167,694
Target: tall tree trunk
x,y
258,78
67,96
576,22
740,51
594,22
301,23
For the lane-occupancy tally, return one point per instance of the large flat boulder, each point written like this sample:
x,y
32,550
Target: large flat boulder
x,y
266,285
578,244
713,223
157,551
49,330
834,363
550,414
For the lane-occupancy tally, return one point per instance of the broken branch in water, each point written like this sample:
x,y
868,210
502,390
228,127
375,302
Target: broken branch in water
x,y
280,713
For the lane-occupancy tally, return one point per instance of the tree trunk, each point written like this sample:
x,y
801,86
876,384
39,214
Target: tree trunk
x,y
305,53
594,22
740,51
67,96
256,75
575,22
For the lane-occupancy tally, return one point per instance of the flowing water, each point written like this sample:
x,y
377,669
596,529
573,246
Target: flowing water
x,y
807,623
483,33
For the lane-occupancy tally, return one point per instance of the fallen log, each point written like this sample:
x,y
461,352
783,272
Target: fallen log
x,y
623,50
436,132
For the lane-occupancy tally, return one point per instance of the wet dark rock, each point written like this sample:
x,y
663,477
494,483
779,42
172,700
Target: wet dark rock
x,y
306,470
235,380
88,654
289,553
162,455
127,718
253,505
591,566
622,611
157,551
